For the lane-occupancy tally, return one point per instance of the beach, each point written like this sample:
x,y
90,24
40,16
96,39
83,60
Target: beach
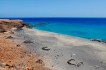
x,y
62,48
57,51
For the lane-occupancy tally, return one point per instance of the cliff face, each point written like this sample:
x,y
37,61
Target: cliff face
x,y
6,25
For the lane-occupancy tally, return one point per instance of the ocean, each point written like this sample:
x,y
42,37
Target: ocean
x,y
89,28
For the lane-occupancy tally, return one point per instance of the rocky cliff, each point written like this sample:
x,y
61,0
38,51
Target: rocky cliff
x,y
6,24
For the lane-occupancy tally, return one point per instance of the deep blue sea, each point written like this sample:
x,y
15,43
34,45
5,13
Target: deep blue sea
x,y
90,28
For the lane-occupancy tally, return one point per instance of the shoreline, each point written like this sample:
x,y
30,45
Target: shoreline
x,y
75,37
90,39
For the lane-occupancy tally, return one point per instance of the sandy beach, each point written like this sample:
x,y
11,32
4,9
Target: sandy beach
x,y
57,51
61,52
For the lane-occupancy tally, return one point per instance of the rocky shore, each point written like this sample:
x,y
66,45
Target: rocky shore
x,y
22,48
13,55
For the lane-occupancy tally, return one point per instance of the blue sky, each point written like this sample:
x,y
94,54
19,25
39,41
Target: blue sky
x,y
52,8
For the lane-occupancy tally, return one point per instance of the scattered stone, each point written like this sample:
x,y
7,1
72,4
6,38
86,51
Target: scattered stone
x,y
58,55
79,64
9,37
27,41
19,29
18,45
4,65
96,67
45,48
52,66
39,61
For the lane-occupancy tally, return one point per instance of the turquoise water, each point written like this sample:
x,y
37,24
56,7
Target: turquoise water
x,y
85,31
75,29
90,28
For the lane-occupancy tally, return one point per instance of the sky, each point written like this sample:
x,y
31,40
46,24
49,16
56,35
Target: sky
x,y
52,8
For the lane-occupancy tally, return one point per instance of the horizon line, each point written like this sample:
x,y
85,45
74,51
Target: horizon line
x,y
52,17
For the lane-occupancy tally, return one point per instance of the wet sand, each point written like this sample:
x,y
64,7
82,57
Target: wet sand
x,y
60,52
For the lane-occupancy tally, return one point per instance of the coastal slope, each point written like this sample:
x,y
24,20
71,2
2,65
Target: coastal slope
x,y
15,56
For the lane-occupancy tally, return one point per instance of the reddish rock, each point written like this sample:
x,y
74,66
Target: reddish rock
x,y
6,25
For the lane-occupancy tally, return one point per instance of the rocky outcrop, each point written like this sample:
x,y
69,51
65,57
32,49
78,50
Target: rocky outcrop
x,y
98,40
6,24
